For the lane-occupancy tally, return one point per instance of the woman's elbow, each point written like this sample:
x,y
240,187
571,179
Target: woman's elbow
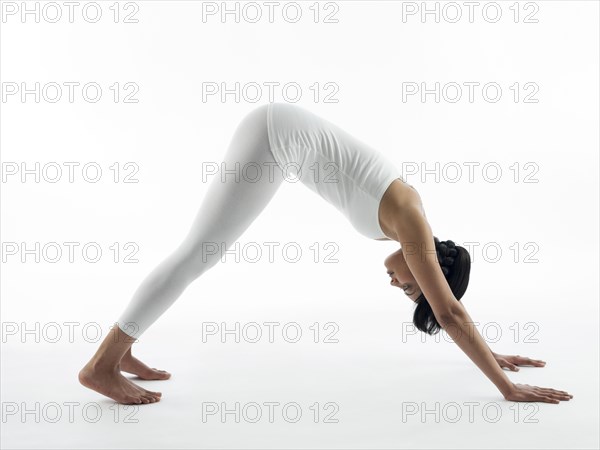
x,y
451,315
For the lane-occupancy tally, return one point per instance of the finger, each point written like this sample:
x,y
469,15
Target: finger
x,y
555,395
512,367
554,391
544,398
535,398
536,362
530,362
558,395
550,390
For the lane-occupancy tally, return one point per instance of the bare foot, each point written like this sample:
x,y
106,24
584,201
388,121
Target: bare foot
x,y
130,364
111,383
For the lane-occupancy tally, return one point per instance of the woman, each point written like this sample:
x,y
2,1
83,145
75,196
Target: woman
x,y
272,142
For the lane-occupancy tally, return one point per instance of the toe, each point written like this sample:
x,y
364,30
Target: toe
x,y
163,374
149,398
132,401
158,394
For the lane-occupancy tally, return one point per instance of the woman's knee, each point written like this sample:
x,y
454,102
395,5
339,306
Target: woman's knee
x,y
194,262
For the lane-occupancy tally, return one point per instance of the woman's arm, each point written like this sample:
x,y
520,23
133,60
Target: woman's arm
x,y
418,247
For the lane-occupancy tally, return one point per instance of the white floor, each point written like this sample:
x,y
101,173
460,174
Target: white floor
x,y
372,390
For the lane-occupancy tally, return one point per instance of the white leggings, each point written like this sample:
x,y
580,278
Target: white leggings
x,y
227,210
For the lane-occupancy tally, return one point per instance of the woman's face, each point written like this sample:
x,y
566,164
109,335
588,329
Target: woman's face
x,y
401,276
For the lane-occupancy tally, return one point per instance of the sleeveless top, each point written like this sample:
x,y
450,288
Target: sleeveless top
x,y
346,172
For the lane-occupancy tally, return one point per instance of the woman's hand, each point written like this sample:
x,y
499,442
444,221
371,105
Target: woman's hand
x,y
527,393
511,362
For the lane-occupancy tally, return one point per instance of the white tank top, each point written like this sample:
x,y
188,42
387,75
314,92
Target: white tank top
x,y
343,170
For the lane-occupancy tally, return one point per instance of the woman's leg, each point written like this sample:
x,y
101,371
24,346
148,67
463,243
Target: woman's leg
x,y
229,207
232,202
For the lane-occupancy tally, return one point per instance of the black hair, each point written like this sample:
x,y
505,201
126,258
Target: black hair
x,y
455,262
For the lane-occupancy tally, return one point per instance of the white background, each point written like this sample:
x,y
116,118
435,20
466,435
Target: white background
x,y
375,371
